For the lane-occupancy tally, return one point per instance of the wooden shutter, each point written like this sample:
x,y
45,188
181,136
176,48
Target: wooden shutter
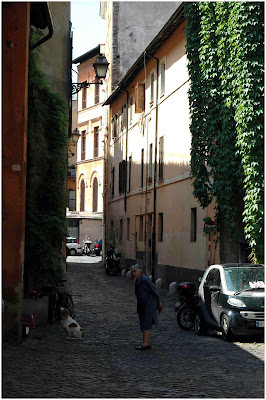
x,y
140,97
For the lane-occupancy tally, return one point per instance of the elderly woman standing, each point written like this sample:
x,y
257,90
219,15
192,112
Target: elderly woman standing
x,y
148,302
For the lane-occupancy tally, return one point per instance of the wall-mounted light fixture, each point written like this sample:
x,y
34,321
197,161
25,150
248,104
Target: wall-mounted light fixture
x,y
100,67
75,136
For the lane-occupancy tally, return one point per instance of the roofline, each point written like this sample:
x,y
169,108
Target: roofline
x,y
88,55
172,24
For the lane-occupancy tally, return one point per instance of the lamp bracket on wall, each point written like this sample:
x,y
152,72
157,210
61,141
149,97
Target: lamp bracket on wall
x,y
76,87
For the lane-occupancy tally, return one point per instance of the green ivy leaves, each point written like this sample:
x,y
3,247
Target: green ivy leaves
x,y
225,62
46,176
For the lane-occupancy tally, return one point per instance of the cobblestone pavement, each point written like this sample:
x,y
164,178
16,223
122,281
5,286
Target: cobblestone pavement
x,y
105,363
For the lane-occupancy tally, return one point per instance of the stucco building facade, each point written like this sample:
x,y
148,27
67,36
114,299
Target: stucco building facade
x,y
87,218
152,216
130,27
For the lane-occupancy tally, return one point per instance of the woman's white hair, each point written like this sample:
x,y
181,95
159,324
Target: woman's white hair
x,y
136,267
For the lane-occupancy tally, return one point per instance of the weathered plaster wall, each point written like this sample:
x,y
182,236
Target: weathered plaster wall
x,y
55,53
135,24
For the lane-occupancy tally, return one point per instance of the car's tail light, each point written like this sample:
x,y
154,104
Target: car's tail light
x,y
97,246
77,241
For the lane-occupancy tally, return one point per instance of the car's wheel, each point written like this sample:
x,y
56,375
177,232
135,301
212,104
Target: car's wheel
x,y
73,252
185,318
227,333
200,327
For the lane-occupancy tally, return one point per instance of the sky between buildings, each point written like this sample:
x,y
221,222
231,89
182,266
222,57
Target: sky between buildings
x,y
87,25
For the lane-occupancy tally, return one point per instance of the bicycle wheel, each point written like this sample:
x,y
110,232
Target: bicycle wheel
x,y
69,304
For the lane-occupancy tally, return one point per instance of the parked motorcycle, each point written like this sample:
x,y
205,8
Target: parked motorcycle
x,y
97,248
112,264
86,246
186,307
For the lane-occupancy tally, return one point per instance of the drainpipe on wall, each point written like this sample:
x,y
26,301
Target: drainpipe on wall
x,y
153,254
50,26
125,198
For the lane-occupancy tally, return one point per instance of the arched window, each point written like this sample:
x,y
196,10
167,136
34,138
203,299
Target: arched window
x,y
82,196
95,195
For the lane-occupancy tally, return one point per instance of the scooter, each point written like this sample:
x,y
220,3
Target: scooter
x,y
112,262
86,246
186,307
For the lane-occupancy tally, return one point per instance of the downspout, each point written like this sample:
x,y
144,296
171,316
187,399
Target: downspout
x,y
50,25
125,198
153,255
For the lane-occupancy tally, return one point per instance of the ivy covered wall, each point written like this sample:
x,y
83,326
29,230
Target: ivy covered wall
x,y
225,53
46,178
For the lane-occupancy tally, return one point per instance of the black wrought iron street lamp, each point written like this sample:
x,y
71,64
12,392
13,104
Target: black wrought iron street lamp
x,y
100,67
75,136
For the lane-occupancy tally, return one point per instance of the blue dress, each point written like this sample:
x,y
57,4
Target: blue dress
x,y
147,298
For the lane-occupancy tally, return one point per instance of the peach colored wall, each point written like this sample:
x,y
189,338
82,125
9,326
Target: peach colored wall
x,y
88,118
91,228
175,193
87,172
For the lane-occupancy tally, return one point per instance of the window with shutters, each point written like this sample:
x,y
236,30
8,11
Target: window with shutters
x,y
152,89
193,225
82,196
131,109
142,169
95,195
84,96
118,123
71,199
113,181
96,92
141,228
160,227
120,230
129,172
83,145
150,164
139,97
162,78
96,142
128,228
122,176
161,158
124,117
114,127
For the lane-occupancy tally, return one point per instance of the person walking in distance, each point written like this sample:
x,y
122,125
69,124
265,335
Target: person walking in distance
x,y
148,302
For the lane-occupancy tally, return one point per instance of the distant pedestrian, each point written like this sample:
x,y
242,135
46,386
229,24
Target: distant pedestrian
x,y
148,302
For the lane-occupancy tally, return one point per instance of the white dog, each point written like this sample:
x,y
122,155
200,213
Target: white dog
x,y
71,326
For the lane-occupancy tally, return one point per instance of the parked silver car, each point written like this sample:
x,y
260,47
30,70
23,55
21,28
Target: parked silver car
x,y
73,246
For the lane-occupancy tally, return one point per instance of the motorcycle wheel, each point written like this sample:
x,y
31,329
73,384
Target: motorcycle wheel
x,y
185,318
200,327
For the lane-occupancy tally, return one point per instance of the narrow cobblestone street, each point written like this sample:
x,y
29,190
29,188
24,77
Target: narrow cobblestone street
x,y
105,363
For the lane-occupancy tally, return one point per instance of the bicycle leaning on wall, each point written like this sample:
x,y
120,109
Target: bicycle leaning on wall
x,y
58,297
